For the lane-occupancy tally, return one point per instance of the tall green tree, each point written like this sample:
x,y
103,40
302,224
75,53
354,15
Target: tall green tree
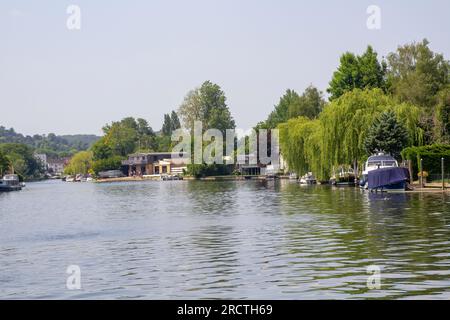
x,y
129,135
4,164
416,74
386,134
357,72
174,121
208,105
309,105
101,150
289,101
167,125
442,117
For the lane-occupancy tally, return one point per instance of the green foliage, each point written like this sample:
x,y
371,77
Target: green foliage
x,y
207,170
386,134
171,123
431,155
362,72
442,120
301,144
127,136
101,150
337,136
112,163
208,105
292,105
281,112
52,145
416,74
21,157
309,104
4,164
81,163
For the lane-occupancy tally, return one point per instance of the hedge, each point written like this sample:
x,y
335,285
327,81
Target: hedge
x,y
431,155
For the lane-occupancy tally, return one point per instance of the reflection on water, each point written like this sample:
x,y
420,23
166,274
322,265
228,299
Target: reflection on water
x,y
242,239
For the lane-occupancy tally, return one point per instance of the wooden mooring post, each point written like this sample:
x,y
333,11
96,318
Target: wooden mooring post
x,y
421,172
443,173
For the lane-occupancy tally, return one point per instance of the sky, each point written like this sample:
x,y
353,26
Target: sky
x,y
140,58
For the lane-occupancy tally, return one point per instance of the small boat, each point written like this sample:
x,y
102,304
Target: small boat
x,y
308,178
70,179
343,177
10,182
382,173
293,176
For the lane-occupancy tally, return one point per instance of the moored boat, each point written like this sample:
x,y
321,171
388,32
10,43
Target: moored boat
x,y
10,182
343,177
382,173
308,178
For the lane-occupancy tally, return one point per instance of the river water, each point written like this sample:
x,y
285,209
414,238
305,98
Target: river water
x,y
205,240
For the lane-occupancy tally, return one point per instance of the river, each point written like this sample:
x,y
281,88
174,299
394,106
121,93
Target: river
x,y
234,239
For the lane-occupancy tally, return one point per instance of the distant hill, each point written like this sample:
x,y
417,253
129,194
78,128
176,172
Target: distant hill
x,y
51,144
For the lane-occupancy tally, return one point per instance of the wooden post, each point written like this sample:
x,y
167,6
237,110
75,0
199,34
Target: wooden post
x,y
443,174
410,171
421,172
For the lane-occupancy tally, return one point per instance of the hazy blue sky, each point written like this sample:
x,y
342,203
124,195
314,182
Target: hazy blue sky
x,y
140,58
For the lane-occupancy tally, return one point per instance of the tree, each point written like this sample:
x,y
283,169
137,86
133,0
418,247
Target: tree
x,y
4,164
386,134
21,158
442,117
175,121
309,105
416,74
80,163
121,139
290,100
362,72
167,125
101,150
208,105
111,163
129,135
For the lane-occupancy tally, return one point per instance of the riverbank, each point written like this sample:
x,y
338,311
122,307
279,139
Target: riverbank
x,y
213,178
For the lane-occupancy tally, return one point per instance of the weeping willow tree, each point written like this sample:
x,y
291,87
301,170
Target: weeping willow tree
x,y
337,137
301,144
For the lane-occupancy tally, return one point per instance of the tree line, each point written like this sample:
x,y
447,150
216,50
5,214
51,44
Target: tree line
x,y
387,105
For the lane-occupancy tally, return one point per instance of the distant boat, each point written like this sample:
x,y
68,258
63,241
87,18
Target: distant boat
x,y
10,182
70,179
293,176
343,177
308,178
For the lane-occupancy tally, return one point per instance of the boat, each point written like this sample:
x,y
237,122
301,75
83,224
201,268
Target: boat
x,y
343,177
381,172
293,176
70,179
10,182
308,178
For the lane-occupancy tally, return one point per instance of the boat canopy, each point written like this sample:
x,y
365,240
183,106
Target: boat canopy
x,y
387,176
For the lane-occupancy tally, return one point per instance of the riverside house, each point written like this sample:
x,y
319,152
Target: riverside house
x,y
155,163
